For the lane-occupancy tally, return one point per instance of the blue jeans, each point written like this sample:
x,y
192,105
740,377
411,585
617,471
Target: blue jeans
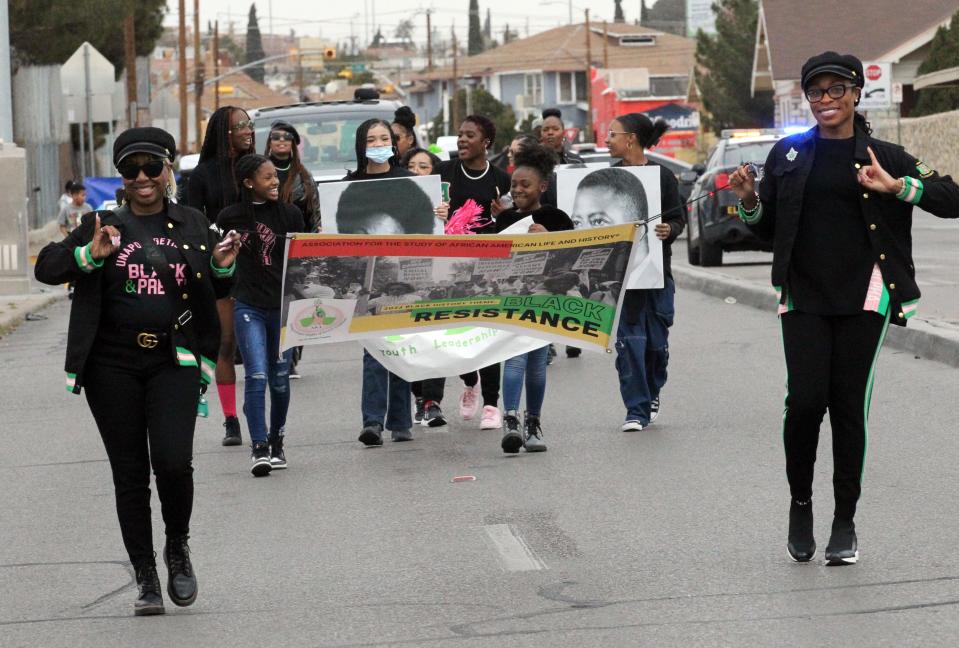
x,y
530,366
642,352
258,337
386,397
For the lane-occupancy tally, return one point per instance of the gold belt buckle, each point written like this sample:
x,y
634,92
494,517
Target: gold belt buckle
x,y
148,340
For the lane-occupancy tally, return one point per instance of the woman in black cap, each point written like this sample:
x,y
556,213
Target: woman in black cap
x,y
404,123
837,204
142,338
212,186
297,186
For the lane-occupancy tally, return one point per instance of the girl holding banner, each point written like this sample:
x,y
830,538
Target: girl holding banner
x,y
534,166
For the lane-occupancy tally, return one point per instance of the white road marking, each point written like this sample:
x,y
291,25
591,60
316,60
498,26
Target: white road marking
x,y
512,550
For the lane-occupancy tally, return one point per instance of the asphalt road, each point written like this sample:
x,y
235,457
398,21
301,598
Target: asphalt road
x,y
935,242
670,537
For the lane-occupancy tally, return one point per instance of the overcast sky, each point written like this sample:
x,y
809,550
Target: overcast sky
x,y
313,18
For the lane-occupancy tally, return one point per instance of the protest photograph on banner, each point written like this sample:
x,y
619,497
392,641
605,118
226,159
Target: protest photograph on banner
x,y
614,196
390,206
562,287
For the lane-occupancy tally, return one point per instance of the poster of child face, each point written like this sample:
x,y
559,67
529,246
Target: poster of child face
x,y
391,206
614,196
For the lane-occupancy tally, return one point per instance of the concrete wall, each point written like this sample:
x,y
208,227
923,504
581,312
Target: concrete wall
x,y
932,139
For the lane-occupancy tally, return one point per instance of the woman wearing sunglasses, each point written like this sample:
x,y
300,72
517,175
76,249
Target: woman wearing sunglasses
x,y
143,334
229,136
837,204
296,184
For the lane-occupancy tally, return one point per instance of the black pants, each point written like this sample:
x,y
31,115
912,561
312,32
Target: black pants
x,y
431,389
830,364
145,407
489,378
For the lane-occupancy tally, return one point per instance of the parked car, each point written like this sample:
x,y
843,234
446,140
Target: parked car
x,y
685,172
327,131
713,226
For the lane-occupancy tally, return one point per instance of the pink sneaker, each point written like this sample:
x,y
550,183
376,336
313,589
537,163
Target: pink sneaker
x,y
469,402
492,418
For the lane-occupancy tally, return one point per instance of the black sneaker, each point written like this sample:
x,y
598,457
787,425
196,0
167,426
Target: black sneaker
x,y
277,456
653,410
260,464
843,547
533,435
181,581
372,434
149,599
512,437
550,355
573,352
232,437
801,545
420,411
434,415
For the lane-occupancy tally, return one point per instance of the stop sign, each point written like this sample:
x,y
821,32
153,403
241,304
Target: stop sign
x,y
873,72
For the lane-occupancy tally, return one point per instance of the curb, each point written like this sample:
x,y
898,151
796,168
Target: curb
x,y
9,322
927,339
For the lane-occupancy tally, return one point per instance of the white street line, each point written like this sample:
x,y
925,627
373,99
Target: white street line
x,y
512,549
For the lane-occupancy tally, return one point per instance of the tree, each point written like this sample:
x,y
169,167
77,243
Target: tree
x,y
618,15
509,35
483,103
254,47
943,53
723,70
377,38
669,16
643,13
47,32
488,27
474,44
404,31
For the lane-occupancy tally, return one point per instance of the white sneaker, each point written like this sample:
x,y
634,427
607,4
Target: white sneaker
x,y
469,402
653,410
632,425
492,418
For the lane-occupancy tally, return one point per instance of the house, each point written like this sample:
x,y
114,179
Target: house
x,y
790,32
549,69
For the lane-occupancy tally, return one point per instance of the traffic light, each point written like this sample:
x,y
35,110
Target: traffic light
x,y
329,53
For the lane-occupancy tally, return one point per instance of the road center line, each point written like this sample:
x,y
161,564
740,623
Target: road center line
x,y
512,550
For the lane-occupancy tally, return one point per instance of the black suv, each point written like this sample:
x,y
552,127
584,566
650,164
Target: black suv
x,y
713,225
327,131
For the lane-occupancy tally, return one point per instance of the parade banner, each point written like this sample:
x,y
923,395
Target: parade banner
x,y
338,287
390,206
614,196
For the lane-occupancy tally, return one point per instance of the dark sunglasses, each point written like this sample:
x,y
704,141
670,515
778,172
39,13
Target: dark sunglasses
x,y
815,95
131,170
240,125
281,136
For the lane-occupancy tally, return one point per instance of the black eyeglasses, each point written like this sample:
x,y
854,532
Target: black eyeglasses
x,y
131,170
815,95
281,136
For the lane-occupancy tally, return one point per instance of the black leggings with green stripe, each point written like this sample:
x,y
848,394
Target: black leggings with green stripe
x,y
830,364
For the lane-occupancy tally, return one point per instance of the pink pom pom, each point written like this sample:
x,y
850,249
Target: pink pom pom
x,y
467,219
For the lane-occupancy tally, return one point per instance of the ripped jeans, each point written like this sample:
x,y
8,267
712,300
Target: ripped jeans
x,y
258,337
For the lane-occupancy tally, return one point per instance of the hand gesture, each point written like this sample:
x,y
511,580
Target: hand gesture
x,y
224,254
743,184
442,211
663,230
875,178
496,207
105,241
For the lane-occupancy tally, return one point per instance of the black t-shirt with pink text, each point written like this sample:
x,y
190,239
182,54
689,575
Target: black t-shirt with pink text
x,y
133,294
259,267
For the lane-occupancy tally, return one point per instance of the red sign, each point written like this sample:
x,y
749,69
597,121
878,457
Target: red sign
x,y
873,72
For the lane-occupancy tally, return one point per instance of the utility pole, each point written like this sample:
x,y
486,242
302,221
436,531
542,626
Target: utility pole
x,y
6,94
454,122
130,62
216,64
590,136
199,64
184,145
605,45
299,75
89,109
429,40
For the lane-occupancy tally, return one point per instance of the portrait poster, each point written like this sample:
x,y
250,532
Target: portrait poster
x,y
340,287
389,206
615,196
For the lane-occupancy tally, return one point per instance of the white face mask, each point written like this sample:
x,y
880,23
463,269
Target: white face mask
x,y
379,154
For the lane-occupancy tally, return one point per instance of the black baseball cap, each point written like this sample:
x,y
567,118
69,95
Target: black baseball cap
x,y
146,139
846,66
280,125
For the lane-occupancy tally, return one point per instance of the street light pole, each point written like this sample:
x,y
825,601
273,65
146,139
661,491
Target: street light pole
x,y
590,137
184,147
6,94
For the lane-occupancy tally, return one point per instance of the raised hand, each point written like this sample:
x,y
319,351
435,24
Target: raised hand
x,y
224,254
105,241
875,178
743,183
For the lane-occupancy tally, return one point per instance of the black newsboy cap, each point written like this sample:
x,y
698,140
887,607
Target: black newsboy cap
x,y
146,139
280,125
846,66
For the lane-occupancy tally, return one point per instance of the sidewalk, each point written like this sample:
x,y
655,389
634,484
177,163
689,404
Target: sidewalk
x,y
930,339
14,309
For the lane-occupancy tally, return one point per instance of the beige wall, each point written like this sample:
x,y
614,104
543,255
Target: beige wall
x,y
933,139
